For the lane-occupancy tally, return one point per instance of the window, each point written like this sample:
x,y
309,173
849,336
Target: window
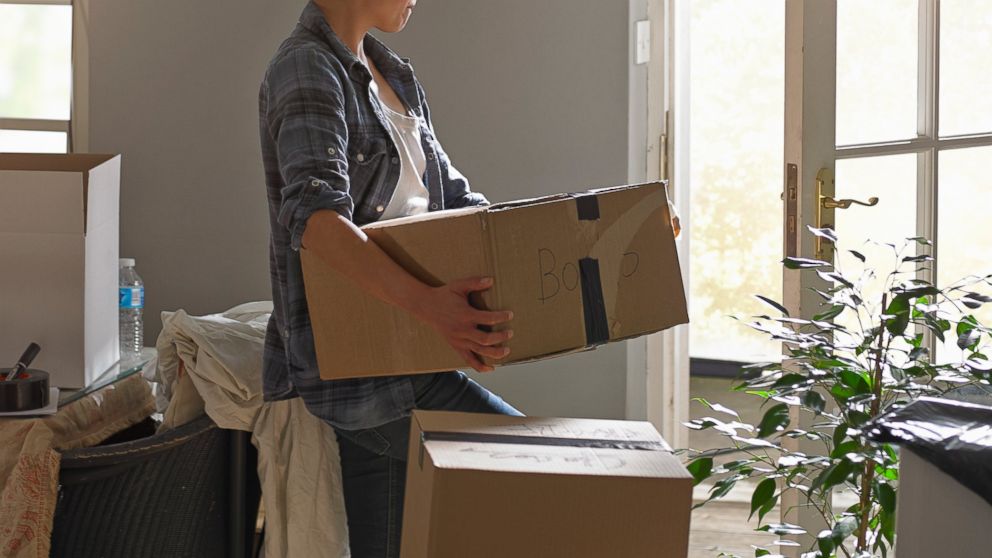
x,y
914,127
35,75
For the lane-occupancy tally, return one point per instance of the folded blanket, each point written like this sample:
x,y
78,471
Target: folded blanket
x,y
213,364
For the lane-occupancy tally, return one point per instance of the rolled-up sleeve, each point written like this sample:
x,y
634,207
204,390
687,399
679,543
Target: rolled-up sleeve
x,y
306,120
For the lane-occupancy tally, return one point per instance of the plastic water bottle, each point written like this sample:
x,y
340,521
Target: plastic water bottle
x,y
132,302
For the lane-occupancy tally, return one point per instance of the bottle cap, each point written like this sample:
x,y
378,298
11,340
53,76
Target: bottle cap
x,y
126,262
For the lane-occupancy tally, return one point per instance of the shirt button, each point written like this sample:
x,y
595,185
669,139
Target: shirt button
x,y
395,160
433,206
380,209
330,151
360,157
315,183
430,155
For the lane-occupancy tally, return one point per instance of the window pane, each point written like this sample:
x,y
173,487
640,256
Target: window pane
x,y
877,45
965,67
21,141
866,229
737,85
35,61
964,240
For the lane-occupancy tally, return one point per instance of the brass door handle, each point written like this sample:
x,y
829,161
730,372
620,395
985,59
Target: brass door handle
x,y
825,190
830,203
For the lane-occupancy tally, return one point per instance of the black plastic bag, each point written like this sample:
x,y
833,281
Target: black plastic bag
x,y
955,437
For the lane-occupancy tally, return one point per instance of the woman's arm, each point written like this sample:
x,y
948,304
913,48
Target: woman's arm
x,y
343,246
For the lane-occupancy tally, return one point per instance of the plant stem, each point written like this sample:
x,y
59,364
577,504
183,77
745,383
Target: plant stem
x,y
869,472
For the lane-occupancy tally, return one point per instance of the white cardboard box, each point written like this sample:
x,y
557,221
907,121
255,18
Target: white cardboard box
x,y
937,516
59,222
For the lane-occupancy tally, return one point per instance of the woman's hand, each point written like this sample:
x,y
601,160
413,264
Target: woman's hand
x,y
447,310
676,220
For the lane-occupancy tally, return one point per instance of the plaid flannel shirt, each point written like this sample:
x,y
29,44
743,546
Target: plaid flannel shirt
x,y
325,146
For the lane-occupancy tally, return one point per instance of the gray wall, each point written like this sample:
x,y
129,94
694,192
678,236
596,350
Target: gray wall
x,y
528,97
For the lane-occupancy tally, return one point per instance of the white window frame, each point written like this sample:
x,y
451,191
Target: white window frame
x,y
51,125
928,144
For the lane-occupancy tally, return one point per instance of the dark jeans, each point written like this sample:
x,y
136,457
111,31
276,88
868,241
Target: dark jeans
x,y
373,462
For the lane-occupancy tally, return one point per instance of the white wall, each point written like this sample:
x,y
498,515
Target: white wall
x,y
528,98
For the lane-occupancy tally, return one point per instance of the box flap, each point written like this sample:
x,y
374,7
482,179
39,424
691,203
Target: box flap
x,y
429,216
54,162
545,445
49,193
555,460
550,428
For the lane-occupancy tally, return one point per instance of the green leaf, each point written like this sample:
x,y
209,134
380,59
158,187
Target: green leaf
x,y
825,542
776,418
856,381
782,529
841,392
813,400
969,339
773,304
762,493
825,232
886,497
718,408
969,333
898,315
830,314
858,255
975,300
843,529
839,434
767,507
833,475
888,527
858,418
834,277
790,381
700,469
804,263
845,448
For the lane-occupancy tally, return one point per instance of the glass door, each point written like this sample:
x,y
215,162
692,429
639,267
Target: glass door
x,y
888,98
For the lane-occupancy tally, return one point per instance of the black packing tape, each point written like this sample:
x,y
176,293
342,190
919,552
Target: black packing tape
x,y
475,437
587,206
593,304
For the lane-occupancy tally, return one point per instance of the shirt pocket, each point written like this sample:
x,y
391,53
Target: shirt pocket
x,y
368,168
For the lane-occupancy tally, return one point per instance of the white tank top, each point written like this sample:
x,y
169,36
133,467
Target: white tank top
x,y
411,196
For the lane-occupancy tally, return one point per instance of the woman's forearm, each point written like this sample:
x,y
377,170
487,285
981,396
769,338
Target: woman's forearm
x,y
343,246
347,249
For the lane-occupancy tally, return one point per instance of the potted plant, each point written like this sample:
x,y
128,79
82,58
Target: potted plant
x,y
863,355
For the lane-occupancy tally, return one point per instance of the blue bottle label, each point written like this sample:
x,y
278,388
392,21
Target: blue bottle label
x,y
132,297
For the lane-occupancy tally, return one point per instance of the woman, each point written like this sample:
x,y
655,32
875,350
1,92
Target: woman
x,y
346,140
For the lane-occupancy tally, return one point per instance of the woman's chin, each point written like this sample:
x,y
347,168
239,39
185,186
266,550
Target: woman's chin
x,y
398,25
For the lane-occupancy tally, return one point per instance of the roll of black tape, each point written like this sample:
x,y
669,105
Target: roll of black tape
x,y
27,392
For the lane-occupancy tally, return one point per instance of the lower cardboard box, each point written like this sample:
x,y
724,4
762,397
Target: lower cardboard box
x,y
488,486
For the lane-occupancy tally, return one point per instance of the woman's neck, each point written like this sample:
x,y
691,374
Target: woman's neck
x,y
346,23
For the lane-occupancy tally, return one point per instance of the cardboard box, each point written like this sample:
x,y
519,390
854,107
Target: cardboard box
x,y
577,270
490,486
59,247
